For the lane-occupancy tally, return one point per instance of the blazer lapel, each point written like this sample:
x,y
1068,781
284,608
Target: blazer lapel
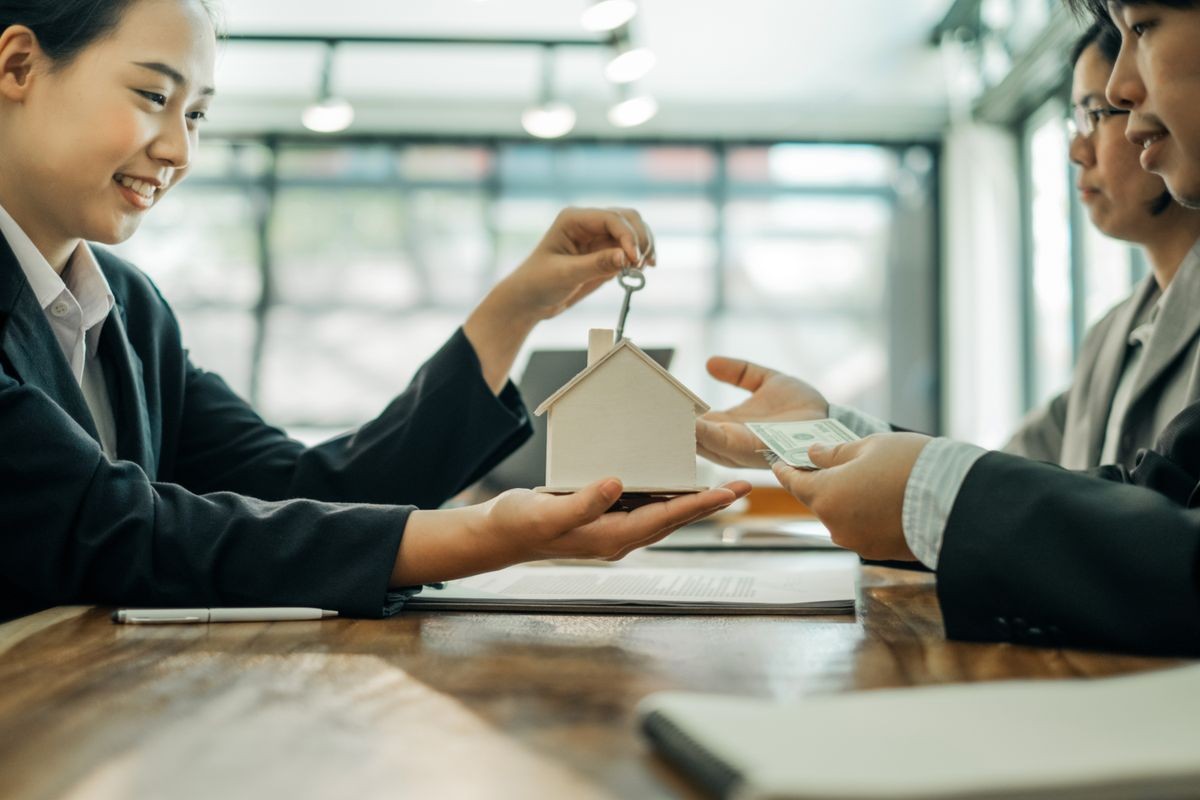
x,y
1177,325
1110,362
29,345
127,392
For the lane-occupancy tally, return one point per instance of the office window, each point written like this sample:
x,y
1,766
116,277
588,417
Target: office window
x,y
1109,272
201,247
1052,335
320,277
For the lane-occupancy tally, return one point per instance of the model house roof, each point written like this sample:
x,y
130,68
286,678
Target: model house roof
x,y
624,344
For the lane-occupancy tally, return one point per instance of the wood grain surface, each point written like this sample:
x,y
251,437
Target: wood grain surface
x,y
443,705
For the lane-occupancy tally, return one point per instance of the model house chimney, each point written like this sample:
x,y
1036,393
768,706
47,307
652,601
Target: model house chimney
x,y
600,341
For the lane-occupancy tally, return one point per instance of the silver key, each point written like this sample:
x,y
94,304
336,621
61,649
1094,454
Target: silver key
x,y
632,280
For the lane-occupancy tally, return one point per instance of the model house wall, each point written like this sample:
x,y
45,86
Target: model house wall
x,y
625,417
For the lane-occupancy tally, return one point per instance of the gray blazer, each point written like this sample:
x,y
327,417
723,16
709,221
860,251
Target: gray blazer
x,y
1070,429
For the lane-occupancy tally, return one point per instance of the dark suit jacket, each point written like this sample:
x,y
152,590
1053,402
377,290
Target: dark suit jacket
x,y
202,507
1108,559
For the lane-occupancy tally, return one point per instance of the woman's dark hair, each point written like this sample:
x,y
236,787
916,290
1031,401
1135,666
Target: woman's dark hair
x,y
1103,36
64,28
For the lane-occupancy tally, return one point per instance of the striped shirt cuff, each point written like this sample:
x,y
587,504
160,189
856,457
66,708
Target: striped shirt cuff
x,y
929,496
857,421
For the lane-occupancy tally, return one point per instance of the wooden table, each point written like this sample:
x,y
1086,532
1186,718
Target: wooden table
x,y
441,706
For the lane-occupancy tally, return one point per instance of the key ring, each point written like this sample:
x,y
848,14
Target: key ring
x,y
632,279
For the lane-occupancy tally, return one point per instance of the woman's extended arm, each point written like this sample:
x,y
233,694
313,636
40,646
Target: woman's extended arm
x,y
521,525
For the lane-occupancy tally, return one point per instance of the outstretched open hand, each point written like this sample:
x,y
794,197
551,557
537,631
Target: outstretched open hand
x,y
722,436
579,525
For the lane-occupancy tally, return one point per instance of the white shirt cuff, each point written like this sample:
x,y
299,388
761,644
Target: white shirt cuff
x,y
857,421
929,496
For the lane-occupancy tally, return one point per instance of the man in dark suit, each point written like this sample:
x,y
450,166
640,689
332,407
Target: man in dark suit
x,y
1029,552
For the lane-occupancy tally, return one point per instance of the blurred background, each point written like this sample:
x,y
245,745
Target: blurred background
x,y
872,195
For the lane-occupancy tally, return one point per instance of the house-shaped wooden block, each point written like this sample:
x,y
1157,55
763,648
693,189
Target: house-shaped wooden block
x,y
622,416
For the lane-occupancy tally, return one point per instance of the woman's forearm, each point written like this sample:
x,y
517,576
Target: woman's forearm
x,y
441,545
497,329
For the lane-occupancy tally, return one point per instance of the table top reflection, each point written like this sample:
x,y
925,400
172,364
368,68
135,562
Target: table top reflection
x,y
457,704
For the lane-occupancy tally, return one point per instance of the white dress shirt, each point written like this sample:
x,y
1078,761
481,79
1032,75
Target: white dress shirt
x,y
76,305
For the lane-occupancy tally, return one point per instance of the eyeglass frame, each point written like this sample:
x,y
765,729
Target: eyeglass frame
x,y
1084,120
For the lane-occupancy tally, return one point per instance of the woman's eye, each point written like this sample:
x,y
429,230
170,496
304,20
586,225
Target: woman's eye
x,y
198,116
154,97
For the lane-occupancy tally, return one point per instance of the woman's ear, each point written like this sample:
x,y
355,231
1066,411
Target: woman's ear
x,y
19,51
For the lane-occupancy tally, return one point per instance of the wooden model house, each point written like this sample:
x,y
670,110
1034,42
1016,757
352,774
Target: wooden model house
x,y
622,416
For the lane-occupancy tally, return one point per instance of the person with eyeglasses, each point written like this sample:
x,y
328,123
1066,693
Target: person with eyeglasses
x,y
1133,372
1026,551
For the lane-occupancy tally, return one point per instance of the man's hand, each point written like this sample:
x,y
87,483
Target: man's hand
x,y
722,436
859,491
521,525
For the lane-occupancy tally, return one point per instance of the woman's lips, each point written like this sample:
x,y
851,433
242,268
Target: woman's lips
x,y
133,198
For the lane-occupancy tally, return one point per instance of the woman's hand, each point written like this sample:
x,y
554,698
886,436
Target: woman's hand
x,y
584,248
521,525
722,436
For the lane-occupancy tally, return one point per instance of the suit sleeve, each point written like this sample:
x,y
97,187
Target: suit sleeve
x,y
1040,435
79,528
1109,559
442,434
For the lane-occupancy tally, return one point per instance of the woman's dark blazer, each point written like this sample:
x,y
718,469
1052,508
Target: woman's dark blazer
x,y
207,505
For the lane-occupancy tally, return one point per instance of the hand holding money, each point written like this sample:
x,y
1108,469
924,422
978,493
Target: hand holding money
x,y
858,491
789,441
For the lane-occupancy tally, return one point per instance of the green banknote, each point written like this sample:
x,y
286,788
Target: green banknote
x,y
791,440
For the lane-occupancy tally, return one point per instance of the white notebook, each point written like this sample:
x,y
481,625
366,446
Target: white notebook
x,y
634,590
1131,736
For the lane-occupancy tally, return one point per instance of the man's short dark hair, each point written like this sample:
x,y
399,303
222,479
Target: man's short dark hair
x,y
1098,9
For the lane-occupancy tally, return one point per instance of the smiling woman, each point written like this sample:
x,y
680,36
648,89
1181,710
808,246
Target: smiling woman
x,y
129,476
110,105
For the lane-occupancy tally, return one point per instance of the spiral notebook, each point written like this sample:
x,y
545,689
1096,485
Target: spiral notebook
x,y
1132,736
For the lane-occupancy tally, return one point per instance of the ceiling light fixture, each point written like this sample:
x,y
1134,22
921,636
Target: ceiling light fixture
x,y
633,110
329,114
550,118
630,63
607,15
